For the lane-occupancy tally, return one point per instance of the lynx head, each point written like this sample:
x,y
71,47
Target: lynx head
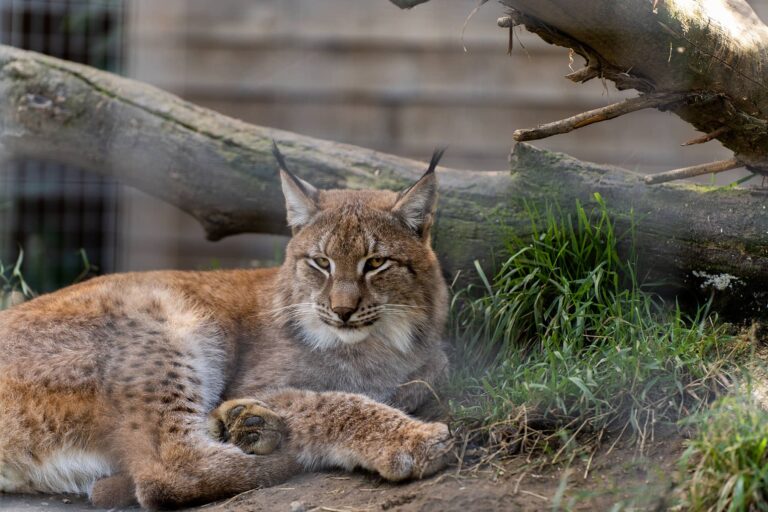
x,y
360,269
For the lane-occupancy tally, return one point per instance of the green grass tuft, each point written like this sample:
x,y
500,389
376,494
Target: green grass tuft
x,y
726,464
563,341
13,287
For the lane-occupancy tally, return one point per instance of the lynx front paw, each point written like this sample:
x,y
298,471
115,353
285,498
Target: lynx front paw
x,y
248,424
421,451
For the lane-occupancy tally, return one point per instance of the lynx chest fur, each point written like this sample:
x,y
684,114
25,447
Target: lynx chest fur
x,y
162,378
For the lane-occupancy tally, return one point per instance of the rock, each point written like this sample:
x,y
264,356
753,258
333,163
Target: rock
x,y
298,506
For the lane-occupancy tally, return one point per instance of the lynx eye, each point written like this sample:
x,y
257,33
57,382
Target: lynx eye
x,y
374,263
323,263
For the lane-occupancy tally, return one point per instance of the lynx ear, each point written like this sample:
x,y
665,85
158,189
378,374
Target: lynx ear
x,y
300,196
416,204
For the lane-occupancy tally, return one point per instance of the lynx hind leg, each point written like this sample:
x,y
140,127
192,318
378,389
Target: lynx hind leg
x,y
249,424
116,491
347,430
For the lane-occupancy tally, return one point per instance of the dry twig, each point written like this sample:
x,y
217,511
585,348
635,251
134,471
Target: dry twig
x,y
599,114
694,170
706,137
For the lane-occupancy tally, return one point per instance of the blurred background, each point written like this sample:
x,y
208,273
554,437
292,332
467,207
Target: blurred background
x,y
365,73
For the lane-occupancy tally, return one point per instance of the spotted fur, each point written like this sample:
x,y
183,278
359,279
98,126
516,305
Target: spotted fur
x,y
134,385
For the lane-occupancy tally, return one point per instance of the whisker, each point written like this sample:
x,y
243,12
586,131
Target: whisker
x,y
402,306
402,311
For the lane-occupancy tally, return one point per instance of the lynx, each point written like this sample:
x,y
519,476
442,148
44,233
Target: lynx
x,y
177,388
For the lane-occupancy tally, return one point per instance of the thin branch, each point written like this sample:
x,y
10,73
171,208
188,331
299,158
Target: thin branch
x,y
706,137
466,22
598,115
589,71
583,75
694,170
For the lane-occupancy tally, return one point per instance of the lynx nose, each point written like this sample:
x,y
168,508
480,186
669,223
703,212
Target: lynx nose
x,y
344,313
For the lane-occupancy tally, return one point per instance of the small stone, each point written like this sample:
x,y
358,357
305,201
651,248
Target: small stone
x,y
66,501
298,506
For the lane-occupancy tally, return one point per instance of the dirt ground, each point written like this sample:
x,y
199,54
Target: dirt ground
x,y
622,478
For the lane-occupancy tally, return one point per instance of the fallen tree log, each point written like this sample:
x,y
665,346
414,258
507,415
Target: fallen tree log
x,y
714,52
222,172
704,60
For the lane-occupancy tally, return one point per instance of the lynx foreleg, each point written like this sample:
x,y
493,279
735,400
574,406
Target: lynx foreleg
x,y
346,430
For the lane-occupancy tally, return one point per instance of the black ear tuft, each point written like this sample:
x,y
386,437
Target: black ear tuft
x,y
305,187
279,156
416,204
436,156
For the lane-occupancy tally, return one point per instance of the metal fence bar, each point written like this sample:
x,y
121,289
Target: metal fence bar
x,y
50,209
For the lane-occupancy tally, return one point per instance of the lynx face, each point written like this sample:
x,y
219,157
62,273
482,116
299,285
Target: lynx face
x,y
361,264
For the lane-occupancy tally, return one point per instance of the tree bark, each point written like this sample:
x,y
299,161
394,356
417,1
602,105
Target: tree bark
x,y
222,172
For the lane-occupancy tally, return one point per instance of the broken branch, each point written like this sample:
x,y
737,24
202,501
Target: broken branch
x,y
583,75
597,115
694,170
706,137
